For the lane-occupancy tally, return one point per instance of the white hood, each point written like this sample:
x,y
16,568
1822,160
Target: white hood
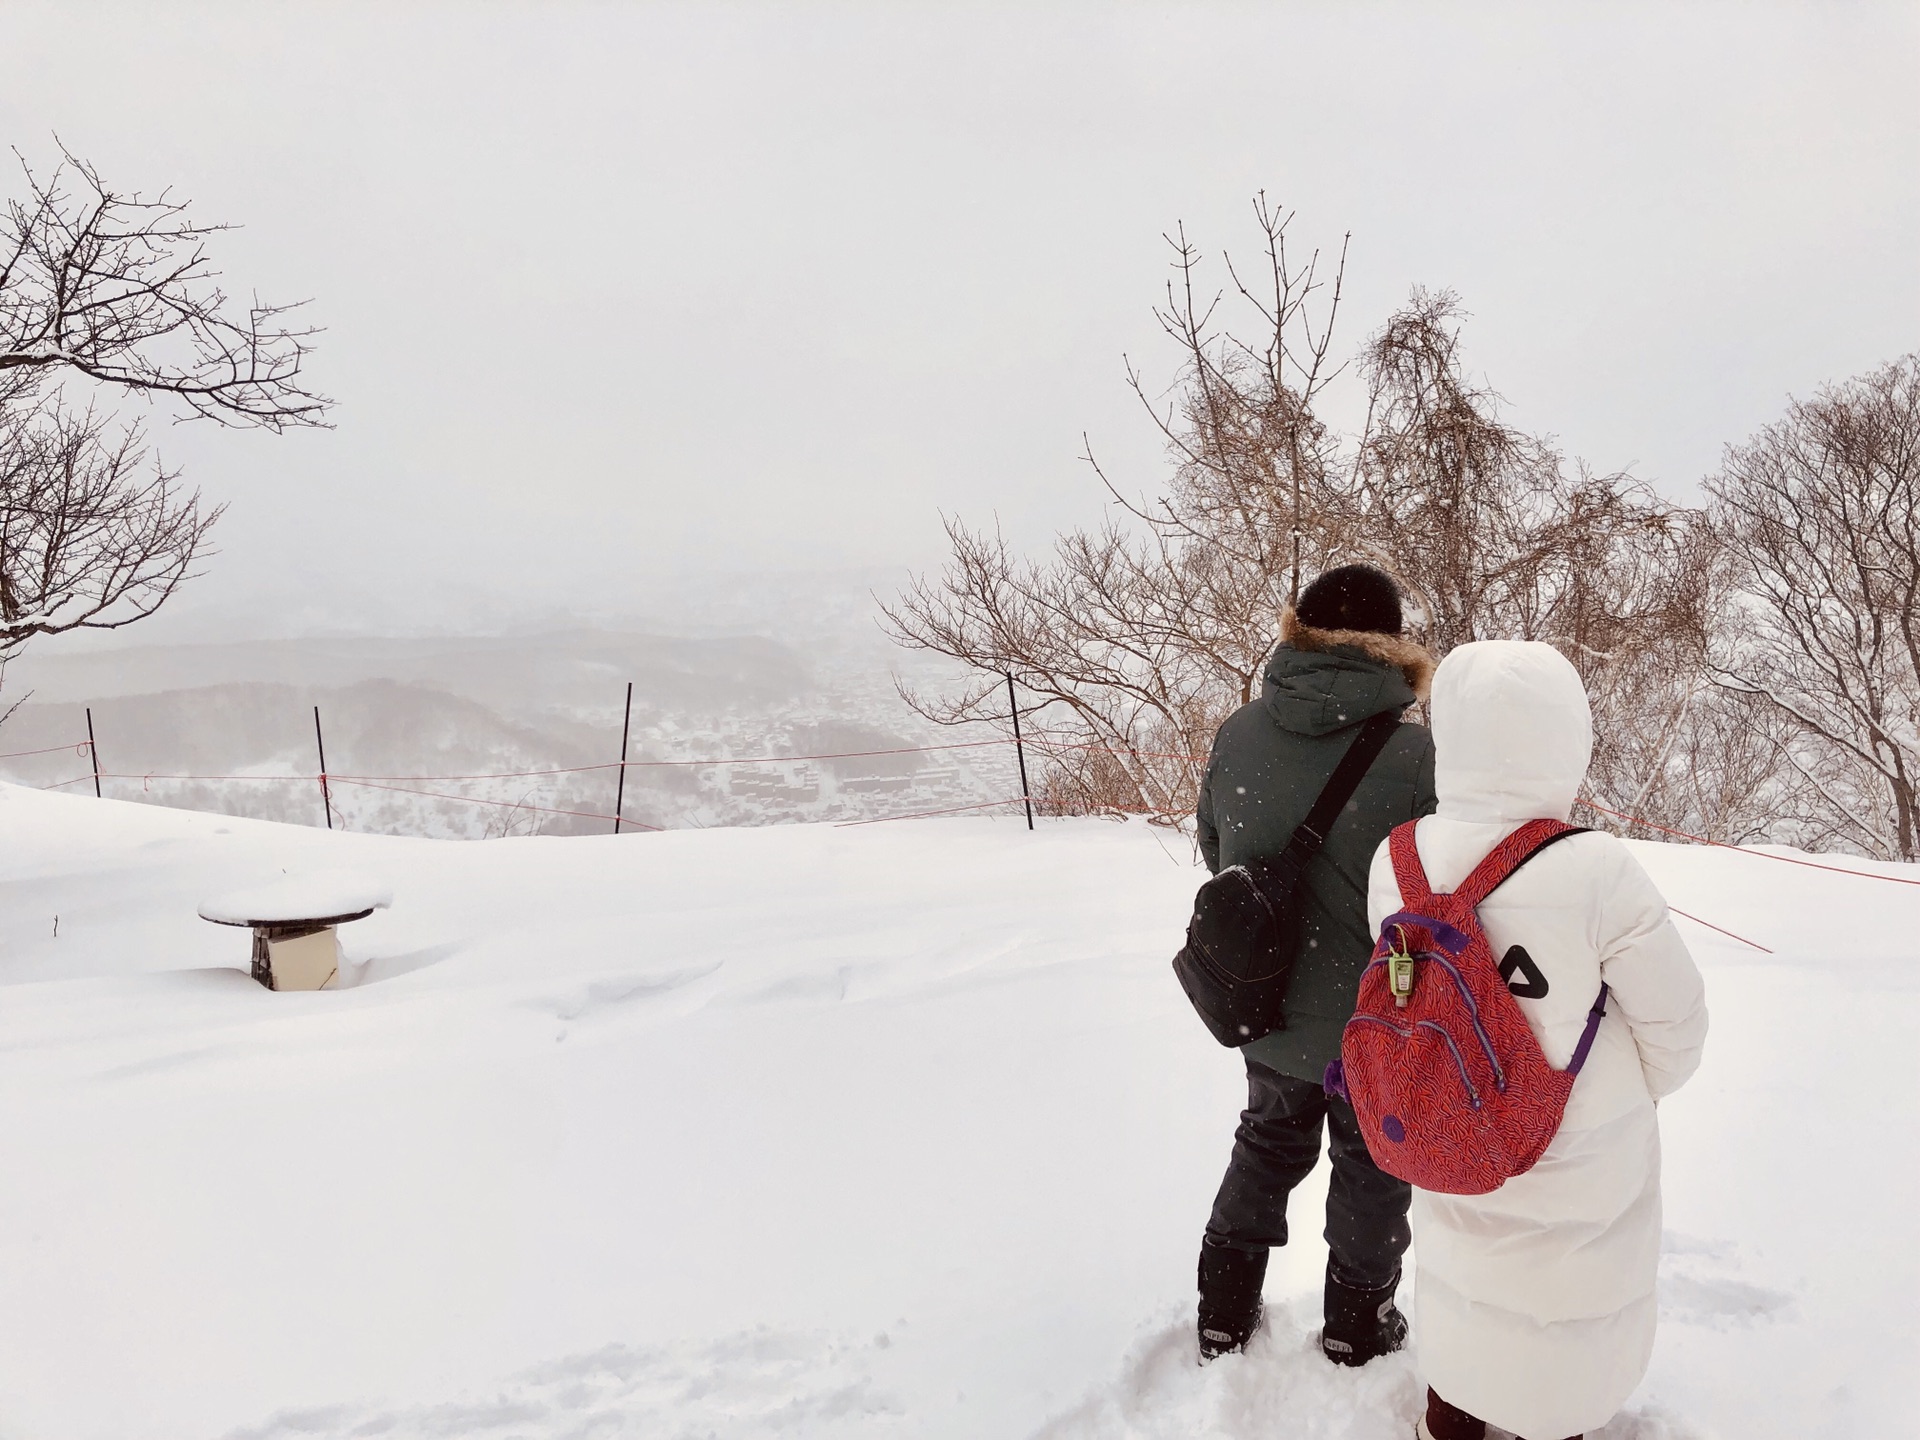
x,y
1512,732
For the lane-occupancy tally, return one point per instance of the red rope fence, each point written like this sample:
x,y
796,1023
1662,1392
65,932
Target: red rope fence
x,y
1745,849
79,749
498,804
923,814
1711,926
561,769
1042,745
384,783
381,782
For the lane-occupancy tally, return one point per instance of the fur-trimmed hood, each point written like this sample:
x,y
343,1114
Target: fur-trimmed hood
x,y
1319,681
1412,661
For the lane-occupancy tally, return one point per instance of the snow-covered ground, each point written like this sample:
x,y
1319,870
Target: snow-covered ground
x,y
898,1130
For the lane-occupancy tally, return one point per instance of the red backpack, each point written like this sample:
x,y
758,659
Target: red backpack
x,y
1451,1088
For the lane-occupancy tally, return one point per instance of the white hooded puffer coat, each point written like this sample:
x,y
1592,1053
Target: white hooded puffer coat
x,y
1534,1305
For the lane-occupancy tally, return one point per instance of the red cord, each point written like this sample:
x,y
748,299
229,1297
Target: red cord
x,y
923,814
1745,850
79,748
1041,744
1711,926
498,804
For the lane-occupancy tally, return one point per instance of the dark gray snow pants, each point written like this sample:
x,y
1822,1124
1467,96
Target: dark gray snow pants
x,y
1274,1149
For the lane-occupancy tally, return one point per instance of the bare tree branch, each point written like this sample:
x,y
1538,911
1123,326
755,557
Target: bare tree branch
x,y
117,289
1138,638
120,288
92,535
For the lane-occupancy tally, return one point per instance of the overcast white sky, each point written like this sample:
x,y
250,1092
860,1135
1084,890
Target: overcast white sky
x,y
617,292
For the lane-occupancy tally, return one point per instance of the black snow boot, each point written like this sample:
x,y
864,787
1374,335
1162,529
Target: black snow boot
x,y
1362,1324
1230,1280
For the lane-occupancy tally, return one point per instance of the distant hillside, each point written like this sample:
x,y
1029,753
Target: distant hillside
x,y
413,715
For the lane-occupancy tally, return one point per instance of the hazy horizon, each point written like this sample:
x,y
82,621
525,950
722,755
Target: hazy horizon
x,y
624,298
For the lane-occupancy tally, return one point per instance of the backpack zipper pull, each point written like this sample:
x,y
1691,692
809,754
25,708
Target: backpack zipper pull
x,y
1400,968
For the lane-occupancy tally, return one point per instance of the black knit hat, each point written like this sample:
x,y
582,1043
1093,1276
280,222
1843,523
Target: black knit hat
x,y
1351,597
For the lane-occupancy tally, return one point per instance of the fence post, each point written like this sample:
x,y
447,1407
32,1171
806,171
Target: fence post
x,y
1020,750
620,791
93,752
320,740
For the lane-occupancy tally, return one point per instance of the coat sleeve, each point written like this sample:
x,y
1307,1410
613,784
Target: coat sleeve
x,y
1653,981
1383,888
1426,798
1205,830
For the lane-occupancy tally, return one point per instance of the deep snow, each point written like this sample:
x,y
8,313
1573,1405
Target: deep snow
x,y
901,1130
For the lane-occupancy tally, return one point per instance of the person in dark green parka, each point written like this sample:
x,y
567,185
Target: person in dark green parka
x,y
1341,661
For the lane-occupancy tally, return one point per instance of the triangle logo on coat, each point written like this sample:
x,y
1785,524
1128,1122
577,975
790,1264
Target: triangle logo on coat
x,y
1517,961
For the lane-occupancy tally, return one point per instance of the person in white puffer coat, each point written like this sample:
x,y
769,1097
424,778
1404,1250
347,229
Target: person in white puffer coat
x,y
1534,1305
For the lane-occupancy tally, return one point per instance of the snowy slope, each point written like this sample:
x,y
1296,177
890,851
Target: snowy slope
x,y
900,1130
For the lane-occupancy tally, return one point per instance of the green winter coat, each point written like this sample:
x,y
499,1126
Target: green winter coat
x,y
1270,761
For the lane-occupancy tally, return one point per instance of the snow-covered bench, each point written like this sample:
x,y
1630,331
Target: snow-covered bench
x,y
292,919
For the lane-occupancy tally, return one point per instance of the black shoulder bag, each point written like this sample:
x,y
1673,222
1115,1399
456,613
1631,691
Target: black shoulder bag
x,y
1245,930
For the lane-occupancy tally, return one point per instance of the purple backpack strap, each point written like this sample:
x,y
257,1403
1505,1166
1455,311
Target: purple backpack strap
x,y
1594,1017
1334,1080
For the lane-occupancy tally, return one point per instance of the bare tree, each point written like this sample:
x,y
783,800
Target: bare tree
x,y
1820,514
1252,460
1114,636
1139,636
1458,505
1494,535
91,535
105,291
119,287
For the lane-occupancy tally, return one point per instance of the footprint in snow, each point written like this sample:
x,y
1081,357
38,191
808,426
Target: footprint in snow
x,y
615,992
1282,1385
752,1386
1701,1283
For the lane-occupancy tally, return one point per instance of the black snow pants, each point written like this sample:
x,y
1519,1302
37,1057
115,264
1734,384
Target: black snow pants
x,y
1276,1145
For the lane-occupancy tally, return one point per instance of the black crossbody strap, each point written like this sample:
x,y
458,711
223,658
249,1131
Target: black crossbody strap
x,y
1346,777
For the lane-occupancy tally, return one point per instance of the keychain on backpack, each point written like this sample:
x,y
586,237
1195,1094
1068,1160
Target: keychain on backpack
x,y
1400,968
